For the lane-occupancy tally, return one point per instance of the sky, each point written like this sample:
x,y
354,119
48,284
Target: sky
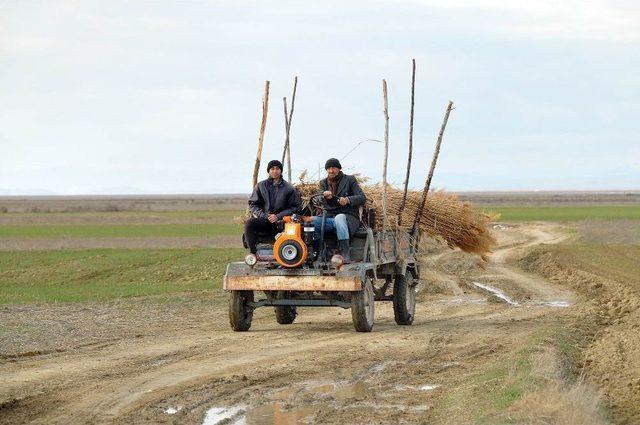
x,y
166,97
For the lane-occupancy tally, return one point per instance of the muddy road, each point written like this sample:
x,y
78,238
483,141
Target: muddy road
x,y
316,370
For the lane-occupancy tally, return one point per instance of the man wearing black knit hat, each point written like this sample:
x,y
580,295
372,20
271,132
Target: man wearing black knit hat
x,y
343,195
271,200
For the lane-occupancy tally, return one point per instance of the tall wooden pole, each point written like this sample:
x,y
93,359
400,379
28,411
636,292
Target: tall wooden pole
x,y
433,167
263,124
287,142
406,179
386,153
286,129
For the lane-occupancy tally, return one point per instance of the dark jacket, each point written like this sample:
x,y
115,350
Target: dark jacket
x,y
267,198
347,187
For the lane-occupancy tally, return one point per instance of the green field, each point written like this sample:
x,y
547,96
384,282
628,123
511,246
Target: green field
x,y
102,274
118,231
207,214
565,213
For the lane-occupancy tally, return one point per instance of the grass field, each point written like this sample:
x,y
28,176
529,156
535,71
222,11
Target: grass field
x,y
566,213
90,275
118,231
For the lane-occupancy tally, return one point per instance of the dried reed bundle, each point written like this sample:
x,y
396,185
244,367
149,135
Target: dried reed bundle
x,y
444,217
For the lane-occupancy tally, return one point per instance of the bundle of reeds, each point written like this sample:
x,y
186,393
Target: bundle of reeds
x,y
444,216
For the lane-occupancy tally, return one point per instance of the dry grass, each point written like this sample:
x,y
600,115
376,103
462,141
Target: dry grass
x,y
577,404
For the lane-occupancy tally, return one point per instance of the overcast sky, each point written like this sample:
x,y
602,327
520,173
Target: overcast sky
x,y
165,97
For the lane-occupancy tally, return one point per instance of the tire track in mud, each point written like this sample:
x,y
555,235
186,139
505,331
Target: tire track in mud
x,y
131,378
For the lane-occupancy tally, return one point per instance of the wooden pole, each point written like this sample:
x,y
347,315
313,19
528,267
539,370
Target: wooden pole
x,y
406,179
286,131
263,124
386,153
433,167
287,141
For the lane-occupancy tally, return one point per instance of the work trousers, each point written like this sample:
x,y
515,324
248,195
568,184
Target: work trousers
x,y
338,223
257,225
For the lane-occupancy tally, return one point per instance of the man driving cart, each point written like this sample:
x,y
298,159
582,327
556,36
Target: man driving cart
x,y
343,198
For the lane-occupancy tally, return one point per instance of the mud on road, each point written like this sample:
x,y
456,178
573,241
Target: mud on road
x,y
187,366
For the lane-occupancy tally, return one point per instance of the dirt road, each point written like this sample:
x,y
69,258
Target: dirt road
x,y
318,369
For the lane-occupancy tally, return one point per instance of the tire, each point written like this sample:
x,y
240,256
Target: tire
x,y
363,307
285,315
404,299
240,312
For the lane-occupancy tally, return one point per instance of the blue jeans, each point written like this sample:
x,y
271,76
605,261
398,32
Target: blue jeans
x,y
337,223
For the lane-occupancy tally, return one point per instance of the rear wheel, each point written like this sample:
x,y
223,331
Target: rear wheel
x,y
404,299
363,307
285,314
240,312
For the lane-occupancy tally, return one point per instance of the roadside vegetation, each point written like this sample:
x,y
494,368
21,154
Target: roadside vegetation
x,y
103,274
601,264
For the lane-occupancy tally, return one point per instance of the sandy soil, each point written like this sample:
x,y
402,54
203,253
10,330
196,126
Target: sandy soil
x,y
180,367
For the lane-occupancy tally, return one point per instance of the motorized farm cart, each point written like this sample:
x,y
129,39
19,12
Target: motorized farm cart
x,y
298,269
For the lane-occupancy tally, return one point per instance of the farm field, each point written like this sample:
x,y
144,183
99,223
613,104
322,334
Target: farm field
x,y
118,317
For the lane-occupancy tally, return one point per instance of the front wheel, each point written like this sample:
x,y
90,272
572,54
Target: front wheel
x,y
404,299
363,307
240,311
285,314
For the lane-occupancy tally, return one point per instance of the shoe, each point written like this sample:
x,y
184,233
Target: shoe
x,y
343,245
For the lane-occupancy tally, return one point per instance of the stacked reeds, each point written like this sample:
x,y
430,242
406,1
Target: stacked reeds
x,y
444,216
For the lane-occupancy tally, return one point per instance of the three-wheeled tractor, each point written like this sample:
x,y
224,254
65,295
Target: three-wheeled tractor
x,y
299,269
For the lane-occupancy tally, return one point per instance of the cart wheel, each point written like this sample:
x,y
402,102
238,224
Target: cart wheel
x,y
240,312
404,299
363,307
285,315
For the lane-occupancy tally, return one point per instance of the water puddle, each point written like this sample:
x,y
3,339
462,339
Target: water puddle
x,y
281,412
496,292
427,387
219,415
558,304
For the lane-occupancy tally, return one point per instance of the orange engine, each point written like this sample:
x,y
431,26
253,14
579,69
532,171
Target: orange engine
x,y
289,249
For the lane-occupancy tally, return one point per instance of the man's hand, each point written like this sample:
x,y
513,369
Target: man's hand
x,y
273,218
343,201
327,194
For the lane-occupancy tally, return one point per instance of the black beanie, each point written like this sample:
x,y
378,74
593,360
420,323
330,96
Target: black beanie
x,y
274,163
332,162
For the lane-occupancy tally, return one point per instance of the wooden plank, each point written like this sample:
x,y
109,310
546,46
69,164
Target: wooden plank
x,y
291,283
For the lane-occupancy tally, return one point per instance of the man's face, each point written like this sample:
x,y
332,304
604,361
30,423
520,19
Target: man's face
x,y
332,172
275,173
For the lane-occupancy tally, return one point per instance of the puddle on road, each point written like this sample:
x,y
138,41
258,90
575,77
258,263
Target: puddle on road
x,y
496,292
427,387
219,415
298,403
559,304
278,413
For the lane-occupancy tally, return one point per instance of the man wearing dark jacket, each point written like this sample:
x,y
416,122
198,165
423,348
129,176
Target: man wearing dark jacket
x,y
343,196
271,200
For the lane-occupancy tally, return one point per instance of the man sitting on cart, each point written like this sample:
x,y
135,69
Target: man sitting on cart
x,y
343,196
271,200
